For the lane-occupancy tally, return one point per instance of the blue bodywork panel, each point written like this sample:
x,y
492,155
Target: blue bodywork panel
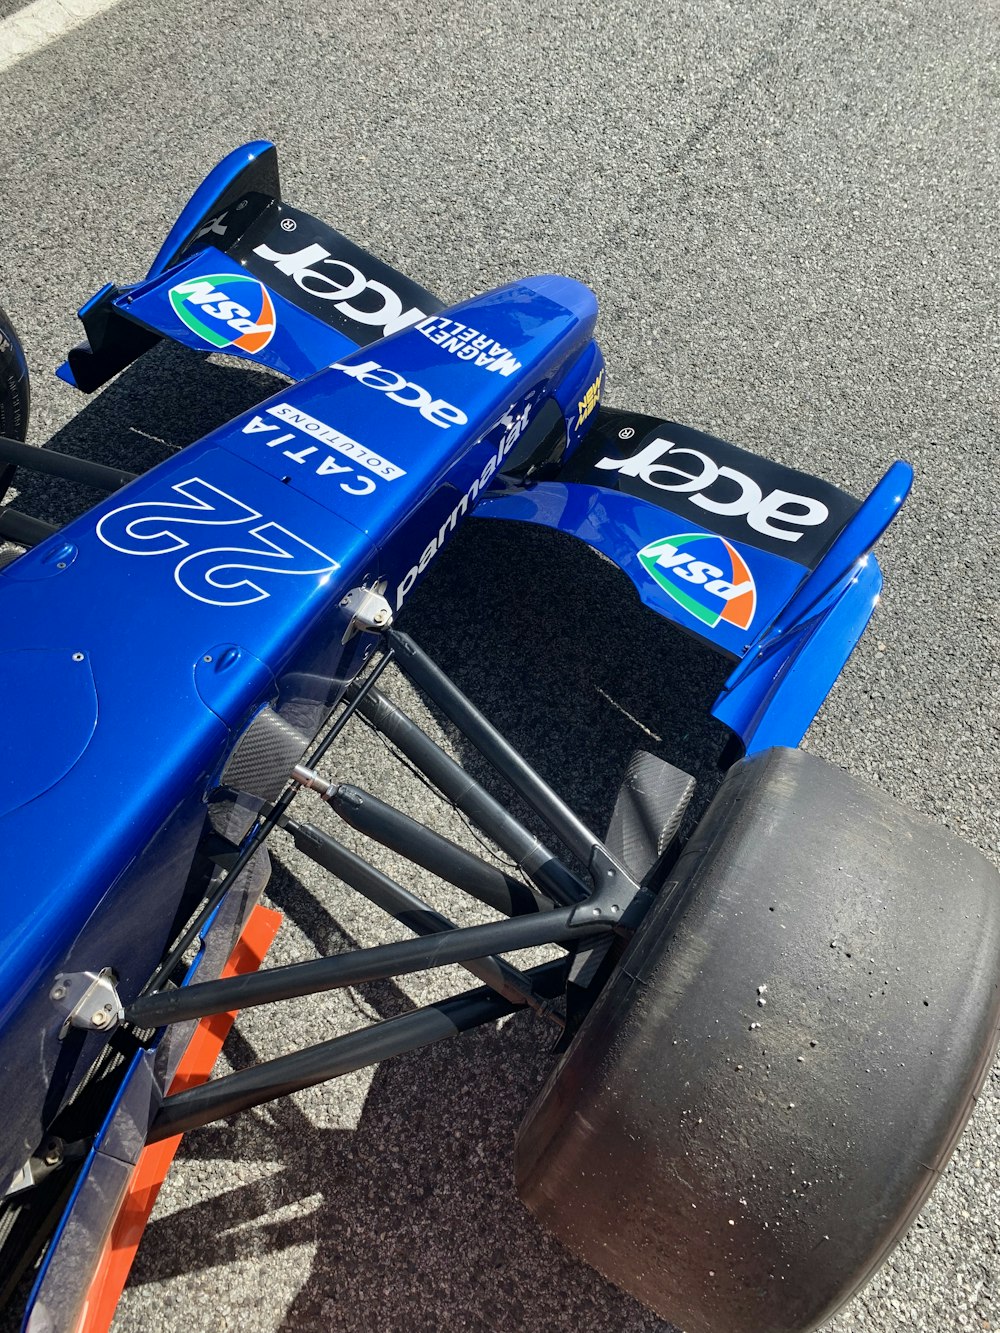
x,y
197,593
290,341
623,527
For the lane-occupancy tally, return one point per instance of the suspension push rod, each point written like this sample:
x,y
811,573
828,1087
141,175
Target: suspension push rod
x,y
222,1097
407,908
530,855
494,747
356,968
615,896
442,857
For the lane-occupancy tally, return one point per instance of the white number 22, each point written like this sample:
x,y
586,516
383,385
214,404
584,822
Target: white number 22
x,y
208,572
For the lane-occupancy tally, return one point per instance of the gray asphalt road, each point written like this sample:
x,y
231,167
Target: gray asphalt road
x,y
789,215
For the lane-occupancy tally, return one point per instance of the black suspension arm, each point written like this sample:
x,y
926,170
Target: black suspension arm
x,y
359,967
531,856
67,466
442,857
406,907
222,1097
22,529
441,690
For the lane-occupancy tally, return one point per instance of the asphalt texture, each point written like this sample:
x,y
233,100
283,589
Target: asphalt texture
x,y
789,215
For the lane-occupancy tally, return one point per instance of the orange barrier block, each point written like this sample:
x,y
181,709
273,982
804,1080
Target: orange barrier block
x,y
195,1066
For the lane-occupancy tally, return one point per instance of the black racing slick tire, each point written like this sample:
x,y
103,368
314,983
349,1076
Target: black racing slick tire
x,y
15,398
772,1080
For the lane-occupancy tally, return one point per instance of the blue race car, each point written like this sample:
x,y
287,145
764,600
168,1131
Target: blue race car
x,y
208,629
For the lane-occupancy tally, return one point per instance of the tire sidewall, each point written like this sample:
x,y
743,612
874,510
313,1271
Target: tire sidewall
x,y
15,396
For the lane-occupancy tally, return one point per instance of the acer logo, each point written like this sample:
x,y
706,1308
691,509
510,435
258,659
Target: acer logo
x,y
315,270
669,467
398,389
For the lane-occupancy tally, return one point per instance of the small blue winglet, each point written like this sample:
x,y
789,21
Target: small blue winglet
x,y
777,689
209,197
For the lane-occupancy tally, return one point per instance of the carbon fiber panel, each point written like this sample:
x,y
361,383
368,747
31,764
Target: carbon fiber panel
x,y
648,812
264,756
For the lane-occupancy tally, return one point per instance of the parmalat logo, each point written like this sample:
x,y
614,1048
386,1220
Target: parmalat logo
x,y
704,574
226,310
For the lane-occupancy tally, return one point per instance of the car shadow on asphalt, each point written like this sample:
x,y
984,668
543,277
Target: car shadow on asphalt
x,y
550,641
410,1213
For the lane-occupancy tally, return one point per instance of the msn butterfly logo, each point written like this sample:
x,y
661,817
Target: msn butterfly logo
x,y
226,310
704,574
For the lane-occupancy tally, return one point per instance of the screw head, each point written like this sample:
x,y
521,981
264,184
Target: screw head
x,y
99,1019
57,992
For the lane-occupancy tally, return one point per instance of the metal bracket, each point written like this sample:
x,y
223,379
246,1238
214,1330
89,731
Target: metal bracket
x,y
616,901
48,1159
88,1000
370,612
53,1154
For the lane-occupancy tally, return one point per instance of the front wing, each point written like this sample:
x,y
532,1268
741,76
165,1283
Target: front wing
x,y
768,565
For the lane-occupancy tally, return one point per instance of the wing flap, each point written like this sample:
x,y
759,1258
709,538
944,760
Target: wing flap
x,y
767,564
243,272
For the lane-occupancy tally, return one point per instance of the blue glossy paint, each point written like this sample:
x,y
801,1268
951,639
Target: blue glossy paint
x,y
778,688
580,393
301,344
63,370
620,526
851,545
64,373
776,692
804,625
205,199
34,678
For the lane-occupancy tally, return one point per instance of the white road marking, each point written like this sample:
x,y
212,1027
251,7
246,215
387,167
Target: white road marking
x,y
43,22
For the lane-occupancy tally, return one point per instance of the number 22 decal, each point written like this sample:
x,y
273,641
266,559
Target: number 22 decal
x,y
217,575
